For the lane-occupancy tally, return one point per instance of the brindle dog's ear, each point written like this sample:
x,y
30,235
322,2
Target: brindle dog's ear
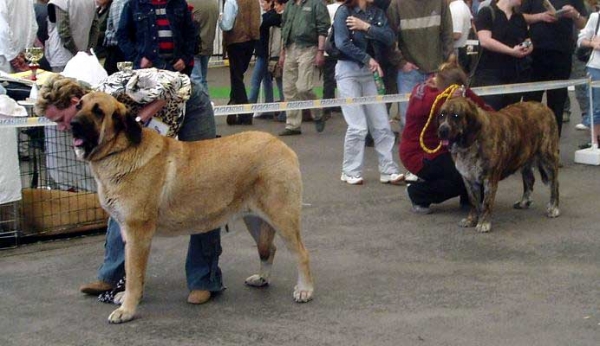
x,y
473,122
125,121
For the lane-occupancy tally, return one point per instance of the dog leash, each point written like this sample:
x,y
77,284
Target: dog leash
x,y
446,93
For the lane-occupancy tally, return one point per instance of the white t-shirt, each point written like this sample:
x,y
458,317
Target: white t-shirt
x,y
461,21
588,33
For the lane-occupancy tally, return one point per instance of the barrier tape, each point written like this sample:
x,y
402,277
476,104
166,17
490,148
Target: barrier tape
x,y
311,104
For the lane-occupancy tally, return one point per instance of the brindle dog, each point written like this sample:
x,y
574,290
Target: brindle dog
x,y
153,185
489,146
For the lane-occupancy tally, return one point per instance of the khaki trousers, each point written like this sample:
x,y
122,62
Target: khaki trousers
x,y
299,73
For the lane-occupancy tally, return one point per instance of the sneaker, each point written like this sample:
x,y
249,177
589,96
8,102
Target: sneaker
x,y
290,132
419,209
566,117
409,177
95,288
198,297
585,145
320,124
358,180
394,178
581,127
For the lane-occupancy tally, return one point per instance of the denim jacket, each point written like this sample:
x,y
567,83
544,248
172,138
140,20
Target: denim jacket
x,y
353,45
138,35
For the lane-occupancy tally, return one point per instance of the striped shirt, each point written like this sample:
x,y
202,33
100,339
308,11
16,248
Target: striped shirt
x,y
166,44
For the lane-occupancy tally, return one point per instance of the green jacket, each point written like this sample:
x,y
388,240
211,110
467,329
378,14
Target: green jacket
x,y
302,23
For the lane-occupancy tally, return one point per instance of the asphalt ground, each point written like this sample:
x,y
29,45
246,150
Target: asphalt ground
x,y
383,275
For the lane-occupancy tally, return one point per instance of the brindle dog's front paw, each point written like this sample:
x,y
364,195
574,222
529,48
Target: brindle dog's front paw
x,y
302,295
120,315
552,211
467,222
484,227
256,281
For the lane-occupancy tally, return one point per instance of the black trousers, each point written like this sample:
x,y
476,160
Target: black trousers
x,y
551,65
113,56
239,59
441,182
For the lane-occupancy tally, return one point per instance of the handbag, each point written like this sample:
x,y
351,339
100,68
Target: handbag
x,y
583,54
330,47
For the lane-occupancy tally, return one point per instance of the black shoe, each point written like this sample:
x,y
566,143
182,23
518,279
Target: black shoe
x,y
290,132
369,142
307,115
232,119
585,145
320,123
245,119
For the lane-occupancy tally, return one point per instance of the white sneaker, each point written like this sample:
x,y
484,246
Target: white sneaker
x,y
411,177
358,180
394,178
581,127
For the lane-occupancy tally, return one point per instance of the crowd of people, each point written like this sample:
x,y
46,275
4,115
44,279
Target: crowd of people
x,y
416,46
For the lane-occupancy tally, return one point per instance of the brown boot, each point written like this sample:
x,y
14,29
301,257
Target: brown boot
x,y
198,297
96,288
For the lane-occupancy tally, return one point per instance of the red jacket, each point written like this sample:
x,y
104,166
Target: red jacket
x,y
420,103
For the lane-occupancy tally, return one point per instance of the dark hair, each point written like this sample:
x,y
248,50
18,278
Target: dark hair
x,y
280,1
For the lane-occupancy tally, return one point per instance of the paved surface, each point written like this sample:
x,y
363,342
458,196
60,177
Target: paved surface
x,y
384,276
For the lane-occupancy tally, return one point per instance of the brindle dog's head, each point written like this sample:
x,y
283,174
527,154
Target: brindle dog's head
x,y
458,123
101,122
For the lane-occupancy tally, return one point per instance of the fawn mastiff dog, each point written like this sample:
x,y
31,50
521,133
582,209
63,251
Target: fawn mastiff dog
x,y
489,146
153,185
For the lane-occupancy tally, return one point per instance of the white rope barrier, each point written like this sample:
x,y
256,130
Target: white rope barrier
x,y
311,104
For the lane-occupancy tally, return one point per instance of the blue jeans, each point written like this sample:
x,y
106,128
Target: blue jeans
x,y
406,82
261,75
202,263
595,75
200,70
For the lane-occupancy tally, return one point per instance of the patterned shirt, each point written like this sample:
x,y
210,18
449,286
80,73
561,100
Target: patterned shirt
x,y
137,88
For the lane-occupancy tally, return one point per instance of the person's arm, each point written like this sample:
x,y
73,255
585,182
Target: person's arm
x,y
64,30
227,19
446,35
94,33
587,37
126,36
149,110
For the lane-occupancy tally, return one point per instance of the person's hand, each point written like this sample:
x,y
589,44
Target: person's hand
x,y
546,17
319,59
570,12
179,65
145,63
281,58
595,43
519,51
374,66
354,23
409,66
19,63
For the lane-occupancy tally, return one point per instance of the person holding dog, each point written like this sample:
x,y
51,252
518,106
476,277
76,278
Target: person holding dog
x,y
166,97
420,149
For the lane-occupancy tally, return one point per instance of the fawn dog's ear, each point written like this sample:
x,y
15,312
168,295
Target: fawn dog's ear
x,y
125,121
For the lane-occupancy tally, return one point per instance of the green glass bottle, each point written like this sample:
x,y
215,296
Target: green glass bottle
x,y
379,83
